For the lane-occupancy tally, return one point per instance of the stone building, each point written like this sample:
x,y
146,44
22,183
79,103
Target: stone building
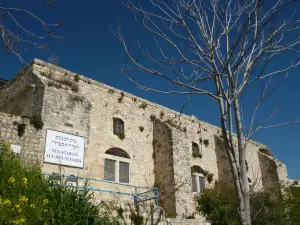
x,y
77,126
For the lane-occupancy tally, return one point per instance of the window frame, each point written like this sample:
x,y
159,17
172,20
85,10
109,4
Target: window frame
x,y
118,126
117,160
198,187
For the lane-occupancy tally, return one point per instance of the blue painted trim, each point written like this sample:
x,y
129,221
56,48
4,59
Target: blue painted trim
x,y
136,195
105,181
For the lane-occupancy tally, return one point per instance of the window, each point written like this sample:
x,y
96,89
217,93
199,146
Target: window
x,y
117,152
198,179
118,126
195,150
116,165
109,170
124,172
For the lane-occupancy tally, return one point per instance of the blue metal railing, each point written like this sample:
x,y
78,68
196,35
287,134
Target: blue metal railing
x,y
137,196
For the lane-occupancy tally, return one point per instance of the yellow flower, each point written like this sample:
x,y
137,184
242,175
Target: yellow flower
x,y
23,200
18,207
7,145
19,222
32,206
24,180
46,201
6,202
45,210
11,180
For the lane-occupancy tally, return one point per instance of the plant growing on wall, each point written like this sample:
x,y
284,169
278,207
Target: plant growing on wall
x,y
37,122
143,105
210,177
206,142
111,91
161,114
76,77
120,99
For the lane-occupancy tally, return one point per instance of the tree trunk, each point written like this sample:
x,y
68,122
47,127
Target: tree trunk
x,y
242,163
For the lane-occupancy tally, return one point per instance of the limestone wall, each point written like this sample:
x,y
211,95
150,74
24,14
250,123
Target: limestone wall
x,y
160,152
31,142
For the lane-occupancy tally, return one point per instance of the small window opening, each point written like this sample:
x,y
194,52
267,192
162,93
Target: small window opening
x,y
118,126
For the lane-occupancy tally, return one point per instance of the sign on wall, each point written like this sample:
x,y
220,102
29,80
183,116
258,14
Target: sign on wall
x,y
64,149
16,148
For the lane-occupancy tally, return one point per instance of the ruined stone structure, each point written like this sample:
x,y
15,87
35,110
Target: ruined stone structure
x,y
127,139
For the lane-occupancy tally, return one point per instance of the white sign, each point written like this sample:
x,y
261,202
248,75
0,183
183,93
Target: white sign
x,y
16,148
64,149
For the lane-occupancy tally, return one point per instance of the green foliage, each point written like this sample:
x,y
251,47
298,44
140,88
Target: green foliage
x,y
143,105
295,191
219,206
266,151
37,122
111,91
76,77
26,197
28,86
210,177
136,219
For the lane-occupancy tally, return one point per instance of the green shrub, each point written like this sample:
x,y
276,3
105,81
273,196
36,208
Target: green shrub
x,y
76,77
37,122
26,197
219,206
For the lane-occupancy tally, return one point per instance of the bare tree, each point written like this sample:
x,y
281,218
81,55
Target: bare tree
x,y
14,33
217,48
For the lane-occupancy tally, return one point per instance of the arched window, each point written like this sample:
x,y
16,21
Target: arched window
x,y
198,179
118,126
195,150
116,165
117,152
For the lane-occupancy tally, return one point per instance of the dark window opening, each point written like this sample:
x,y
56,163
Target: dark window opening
x,y
118,126
117,152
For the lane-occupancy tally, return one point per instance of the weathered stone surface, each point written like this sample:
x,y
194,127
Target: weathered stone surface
x,y
158,140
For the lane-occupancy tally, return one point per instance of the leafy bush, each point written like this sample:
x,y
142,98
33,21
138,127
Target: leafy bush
x,y
219,206
37,122
27,198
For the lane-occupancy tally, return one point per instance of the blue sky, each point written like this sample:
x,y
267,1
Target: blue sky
x,y
89,48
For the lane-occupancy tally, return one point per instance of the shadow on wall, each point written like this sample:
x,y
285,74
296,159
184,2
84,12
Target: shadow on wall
x,y
21,104
269,174
224,169
164,166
